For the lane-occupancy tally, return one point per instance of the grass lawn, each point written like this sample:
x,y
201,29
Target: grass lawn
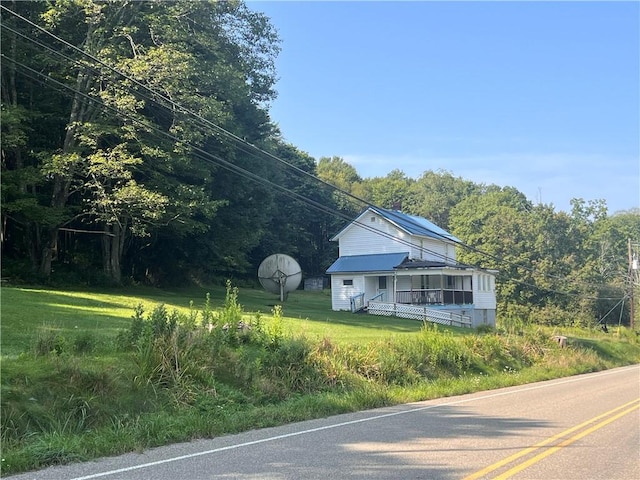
x,y
63,403
27,311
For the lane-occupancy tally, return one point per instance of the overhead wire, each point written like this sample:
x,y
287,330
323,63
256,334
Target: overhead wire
x,y
242,141
180,108
228,165
219,161
205,122
252,149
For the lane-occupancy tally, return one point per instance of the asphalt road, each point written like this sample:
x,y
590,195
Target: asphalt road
x,y
585,427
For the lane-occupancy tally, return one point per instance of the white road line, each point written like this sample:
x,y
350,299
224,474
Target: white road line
x,y
352,422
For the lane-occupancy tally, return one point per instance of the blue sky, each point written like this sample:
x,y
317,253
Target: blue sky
x,y
541,96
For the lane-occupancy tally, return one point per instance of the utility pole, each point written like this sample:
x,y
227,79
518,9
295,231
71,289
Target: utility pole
x,y
633,278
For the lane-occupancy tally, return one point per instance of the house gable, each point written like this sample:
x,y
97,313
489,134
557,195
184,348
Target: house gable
x,y
379,231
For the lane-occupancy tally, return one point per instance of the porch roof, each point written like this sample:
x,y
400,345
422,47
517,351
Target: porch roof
x,y
424,267
383,262
410,264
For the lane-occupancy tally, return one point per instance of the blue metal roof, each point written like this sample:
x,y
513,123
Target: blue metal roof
x,y
411,224
383,262
414,225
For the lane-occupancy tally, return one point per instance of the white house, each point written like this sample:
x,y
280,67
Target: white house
x,y
392,263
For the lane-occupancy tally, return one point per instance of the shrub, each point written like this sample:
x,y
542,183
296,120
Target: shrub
x,y
48,342
84,343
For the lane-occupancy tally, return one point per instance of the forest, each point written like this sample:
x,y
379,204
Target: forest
x,y
138,148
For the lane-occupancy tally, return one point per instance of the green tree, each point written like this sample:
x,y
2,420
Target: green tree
x,y
434,194
301,215
31,126
337,172
132,160
390,191
604,254
496,227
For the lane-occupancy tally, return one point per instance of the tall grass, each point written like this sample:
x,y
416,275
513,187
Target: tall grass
x,y
171,375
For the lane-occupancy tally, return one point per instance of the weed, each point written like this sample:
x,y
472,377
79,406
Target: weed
x,y
48,341
84,343
275,329
179,374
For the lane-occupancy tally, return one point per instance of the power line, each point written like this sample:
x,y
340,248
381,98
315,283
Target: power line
x,y
210,124
182,109
239,143
219,161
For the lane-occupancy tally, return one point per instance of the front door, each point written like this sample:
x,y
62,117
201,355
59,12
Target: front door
x,y
382,288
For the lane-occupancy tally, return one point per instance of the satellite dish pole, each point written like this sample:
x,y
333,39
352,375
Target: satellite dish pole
x,y
281,278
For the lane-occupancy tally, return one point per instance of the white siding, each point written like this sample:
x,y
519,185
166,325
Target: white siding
x,y
341,294
484,290
357,240
432,249
373,234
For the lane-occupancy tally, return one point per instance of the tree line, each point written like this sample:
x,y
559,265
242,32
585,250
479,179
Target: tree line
x,y
137,146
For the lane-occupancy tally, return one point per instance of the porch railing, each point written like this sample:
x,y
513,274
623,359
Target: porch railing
x,y
417,312
377,298
437,296
357,302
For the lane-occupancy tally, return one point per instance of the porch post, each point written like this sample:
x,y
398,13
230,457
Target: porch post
x,y
395,286
411,297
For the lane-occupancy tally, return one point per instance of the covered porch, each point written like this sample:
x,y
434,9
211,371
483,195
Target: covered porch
x,y
437,295
419,282
423,289
434,289
440,287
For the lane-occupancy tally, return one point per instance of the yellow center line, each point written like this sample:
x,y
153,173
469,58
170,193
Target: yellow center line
x,y
568,441
549,440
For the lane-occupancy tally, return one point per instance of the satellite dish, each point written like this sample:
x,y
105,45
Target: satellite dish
x,y
279,273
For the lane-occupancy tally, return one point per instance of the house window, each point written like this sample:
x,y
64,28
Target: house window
x,y
382,283
373,219
347,282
